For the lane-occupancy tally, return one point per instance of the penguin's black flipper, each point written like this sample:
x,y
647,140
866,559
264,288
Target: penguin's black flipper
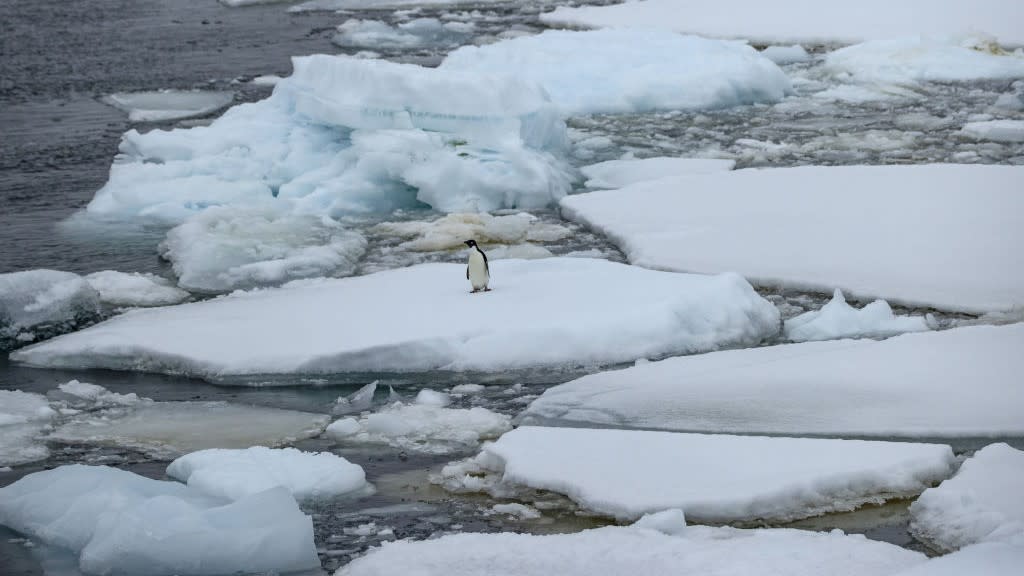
x,y
467,272
486,266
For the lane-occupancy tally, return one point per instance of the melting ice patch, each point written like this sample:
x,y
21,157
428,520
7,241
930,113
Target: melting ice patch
x,y
164,105
616,71
24,417
37,304
837,319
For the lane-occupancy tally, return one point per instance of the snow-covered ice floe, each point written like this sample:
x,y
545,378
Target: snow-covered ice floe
x,y
615,71
24,416
955,383
939,235
621,173
416,33
788,21
37,304
236,474
452,230
135,289
162,105
713,478
995,130
118,522
658,545
990,559
223,249
837,319
550,312
981,503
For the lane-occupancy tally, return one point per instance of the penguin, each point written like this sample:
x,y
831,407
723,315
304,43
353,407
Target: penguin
x,y
477,271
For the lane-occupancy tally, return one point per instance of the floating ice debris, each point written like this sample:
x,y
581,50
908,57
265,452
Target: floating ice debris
x,y
451,231
358,401
122,523
995,130
549,312
334,5
38,304
427,397
620,173
417,33
266,80
84,396
980,504
24,417
135,289
520,511
786,54
837,319
714,478
236,474
954,383
158,106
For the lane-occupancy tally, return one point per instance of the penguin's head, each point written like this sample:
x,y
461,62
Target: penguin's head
x,y
470,243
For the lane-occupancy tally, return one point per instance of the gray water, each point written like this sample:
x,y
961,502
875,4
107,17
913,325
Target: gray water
x,y
59,58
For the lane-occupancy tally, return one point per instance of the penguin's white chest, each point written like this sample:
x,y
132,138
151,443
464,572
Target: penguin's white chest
x,y
478,275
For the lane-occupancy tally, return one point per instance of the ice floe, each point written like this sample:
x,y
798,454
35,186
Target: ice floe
x,y
236,474
782,55
118,522
980,504
223,249
837,319
549,312
939,235
714,478
451,231
955,383
24,417
135,289
332,5
37,304
621,173
162,105
990,559
995,130
657,546
416,33
614,71
787,21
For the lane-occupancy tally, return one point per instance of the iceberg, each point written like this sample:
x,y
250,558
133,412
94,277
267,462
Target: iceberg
x,y
955,383
548,312
37,304
837,319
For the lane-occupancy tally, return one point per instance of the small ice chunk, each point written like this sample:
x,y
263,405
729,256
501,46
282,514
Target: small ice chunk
x,y
423,428
521,511
37,304
670,522
782,55
85,396
416,33
358,401
427,397
995,130
236,474
24,417
135,289
468,388
343,428
266,80
837,319
1009,102
162,105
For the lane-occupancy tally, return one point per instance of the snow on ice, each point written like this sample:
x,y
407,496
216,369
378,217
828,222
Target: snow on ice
x,y
981,503
550,312
37,304
452,230
135,289
163,105
995,130
621,173
837,319
990,559
940,235
122,523
713,478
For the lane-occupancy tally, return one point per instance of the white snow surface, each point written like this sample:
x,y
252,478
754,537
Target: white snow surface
x,y
223,249
954,383
618,71
422,427
621,173
638,549
981,503
135,289
837,319
803,21
24,417
44,300
121,523
995,130
549,312
714,478
452,230
162,105
343,135
236,474
990,559
939,235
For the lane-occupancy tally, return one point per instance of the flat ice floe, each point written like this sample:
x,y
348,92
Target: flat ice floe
x,y
981,503
837,319
990,559
938,235
37,304
162,105
236,474
661,545
118,522
955,383
713,478
789,21
995,130
135,289
23,418
615,71
621,173
550,312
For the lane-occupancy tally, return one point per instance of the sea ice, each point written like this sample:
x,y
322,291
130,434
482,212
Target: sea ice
x,y
123,523
162,105
954,383
786,54
941,235
638,549
236,474
23,419
223,249
786,21
617,71
452,230
333,5
995,130
416,33
621,173
990,559
84,396
549,312
713,478
135,289
37,304
837,319
980,504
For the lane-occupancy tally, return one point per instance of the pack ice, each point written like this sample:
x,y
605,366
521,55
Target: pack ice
x,y
118,522
955,383
551,312
938,235
658,545
713,478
